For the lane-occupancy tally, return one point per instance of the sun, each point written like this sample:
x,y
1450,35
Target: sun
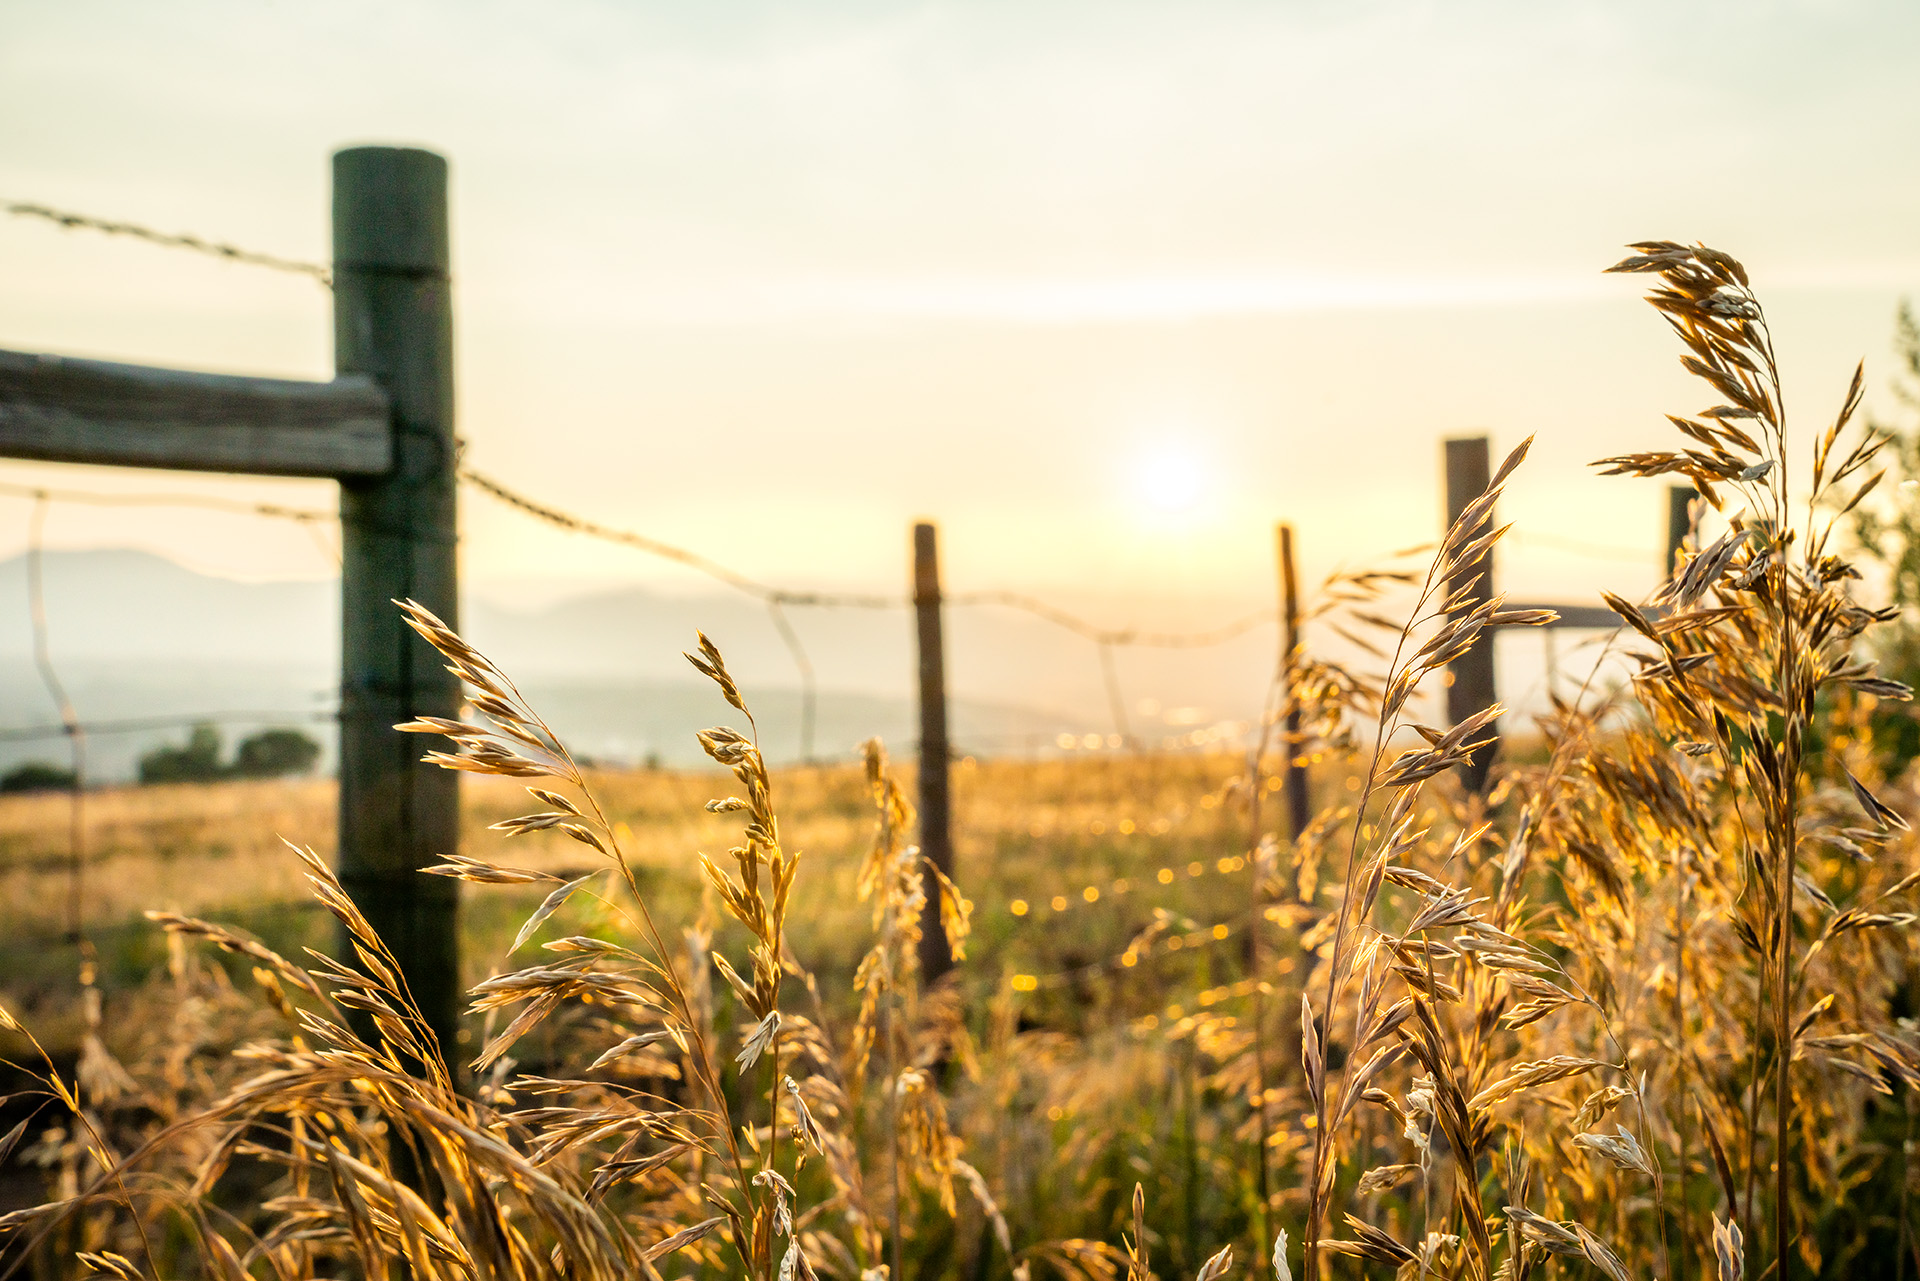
x,y
1171,478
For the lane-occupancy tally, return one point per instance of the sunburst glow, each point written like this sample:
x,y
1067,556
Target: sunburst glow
x,y
1172,477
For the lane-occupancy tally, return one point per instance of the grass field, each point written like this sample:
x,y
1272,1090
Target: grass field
x,y
1068,862
1648,1005
1028,832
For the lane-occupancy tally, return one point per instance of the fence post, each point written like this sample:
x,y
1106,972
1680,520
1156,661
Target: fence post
x,y
1679,525
1470,688
1293,774
393,320
936,811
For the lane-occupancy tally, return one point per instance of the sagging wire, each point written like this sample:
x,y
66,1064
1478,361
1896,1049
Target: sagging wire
x,y
170,240
70,725
777,598
310,519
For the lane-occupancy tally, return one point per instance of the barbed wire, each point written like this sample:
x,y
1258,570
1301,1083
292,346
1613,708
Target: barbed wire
x,y
856,600
777,599
1153,944
1105,636
170,240
1105,639
667,551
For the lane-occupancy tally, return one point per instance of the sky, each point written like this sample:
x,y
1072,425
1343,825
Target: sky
x,y
1105,288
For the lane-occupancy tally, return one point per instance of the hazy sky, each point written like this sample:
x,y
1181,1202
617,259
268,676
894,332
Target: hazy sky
x,y
1106,287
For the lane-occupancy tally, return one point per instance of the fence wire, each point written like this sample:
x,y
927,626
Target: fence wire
x,y
69,725
1105,639
171,240
778,601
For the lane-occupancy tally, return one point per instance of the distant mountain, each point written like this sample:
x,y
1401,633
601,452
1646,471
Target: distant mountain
x,y
137,638
116,605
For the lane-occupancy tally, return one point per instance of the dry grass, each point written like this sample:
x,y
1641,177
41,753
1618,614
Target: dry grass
x,y
1027,829
200,848
1638,1012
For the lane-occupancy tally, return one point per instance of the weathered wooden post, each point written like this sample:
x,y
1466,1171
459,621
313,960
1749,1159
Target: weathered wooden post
x,y
1679,525
936,809
393,321
1470,687
1293,774
384,429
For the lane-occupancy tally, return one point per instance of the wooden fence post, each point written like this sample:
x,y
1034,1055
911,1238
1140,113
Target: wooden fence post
x,y
1679,525
393,321
1292,773
1470,688
936,811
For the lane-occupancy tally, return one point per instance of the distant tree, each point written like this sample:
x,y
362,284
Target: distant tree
x,y
275,753
197,761
36,776
272,753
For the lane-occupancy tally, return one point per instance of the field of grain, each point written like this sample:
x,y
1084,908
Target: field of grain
x,y
1028,831
1644,1006
1074,864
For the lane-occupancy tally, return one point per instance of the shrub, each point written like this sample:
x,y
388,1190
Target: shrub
x,y
36,776
196,761
274,753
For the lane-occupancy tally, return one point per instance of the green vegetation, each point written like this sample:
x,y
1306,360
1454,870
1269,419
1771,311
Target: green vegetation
x,y
36,776
271,753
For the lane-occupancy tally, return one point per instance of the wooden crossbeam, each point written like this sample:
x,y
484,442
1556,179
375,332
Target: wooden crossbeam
x,y
59,409
384,429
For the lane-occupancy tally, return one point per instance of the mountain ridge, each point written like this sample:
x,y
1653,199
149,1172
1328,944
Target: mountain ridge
x,y
135,636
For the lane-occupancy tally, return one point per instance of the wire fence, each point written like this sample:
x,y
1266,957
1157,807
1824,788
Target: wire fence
x,y
1059,904
777,599
69,721
170,240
